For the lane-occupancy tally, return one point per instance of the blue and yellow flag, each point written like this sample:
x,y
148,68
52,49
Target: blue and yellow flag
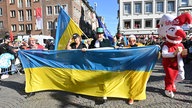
x,y
65,29
119,73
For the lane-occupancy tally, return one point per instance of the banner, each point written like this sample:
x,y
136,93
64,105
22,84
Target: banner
x,y
65,29
39,19
11,36
121,73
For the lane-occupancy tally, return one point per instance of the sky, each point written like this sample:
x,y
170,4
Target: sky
x,y
108,10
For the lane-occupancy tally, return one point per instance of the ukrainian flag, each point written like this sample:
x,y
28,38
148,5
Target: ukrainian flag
x,y
65,29
121,73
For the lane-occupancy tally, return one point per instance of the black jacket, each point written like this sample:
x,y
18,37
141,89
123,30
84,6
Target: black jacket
x,y
5,48
104,43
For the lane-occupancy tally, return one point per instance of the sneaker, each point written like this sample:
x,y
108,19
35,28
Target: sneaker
x,y
4,76
100,101
179,78
105,98
169,93
130,101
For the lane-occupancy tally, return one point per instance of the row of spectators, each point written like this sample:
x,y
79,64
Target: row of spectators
x,y
118,41
9,47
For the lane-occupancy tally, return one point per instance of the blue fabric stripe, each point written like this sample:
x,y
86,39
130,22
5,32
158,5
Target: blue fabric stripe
x,y
138,58
62,23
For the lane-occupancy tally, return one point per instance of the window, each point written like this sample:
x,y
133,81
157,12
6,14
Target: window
x,y
13,27
137,24
28,27
55,24
184,2
49,10
148,7
12,1
148,23
56,8
157,21
49,25
65,8
127,8
127,24
20,15
160,7
28,15
36,0
1,24
12,14
21,27
1,11
28,3
138,8
20,3
171,5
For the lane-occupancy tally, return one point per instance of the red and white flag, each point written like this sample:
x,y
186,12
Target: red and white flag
x,y
39,19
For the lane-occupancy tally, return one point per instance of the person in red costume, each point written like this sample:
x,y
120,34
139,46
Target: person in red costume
x,y
173,50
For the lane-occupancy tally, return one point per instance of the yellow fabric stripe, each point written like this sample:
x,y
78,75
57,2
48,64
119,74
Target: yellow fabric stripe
x,y
128,84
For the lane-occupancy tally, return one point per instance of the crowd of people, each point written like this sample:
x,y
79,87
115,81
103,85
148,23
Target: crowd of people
x,y
12,47
175,48
99,41
120,41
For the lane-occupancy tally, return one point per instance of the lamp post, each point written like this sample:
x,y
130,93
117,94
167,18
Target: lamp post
x,y
95,4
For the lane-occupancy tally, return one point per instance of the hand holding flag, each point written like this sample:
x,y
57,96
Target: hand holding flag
x,y
65,29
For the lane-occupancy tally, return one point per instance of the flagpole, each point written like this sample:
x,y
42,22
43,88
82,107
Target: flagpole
x,y
82,32
85,35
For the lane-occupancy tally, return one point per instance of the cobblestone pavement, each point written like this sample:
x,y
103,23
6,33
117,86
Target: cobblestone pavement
x,y
12,95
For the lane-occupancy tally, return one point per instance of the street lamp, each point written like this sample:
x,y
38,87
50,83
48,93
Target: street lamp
x,y
95,4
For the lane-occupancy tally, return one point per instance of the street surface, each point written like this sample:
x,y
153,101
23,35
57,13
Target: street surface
x,y
13,95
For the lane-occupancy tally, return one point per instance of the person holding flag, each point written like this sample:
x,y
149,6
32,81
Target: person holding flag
x,y
106,33
65,30
77,44
100,40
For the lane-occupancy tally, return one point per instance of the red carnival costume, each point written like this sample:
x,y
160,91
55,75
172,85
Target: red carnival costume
x,y
173,50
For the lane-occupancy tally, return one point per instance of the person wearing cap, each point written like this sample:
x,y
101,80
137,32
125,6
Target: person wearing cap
x,y
133,42
32,42
77,44
119,41
100,40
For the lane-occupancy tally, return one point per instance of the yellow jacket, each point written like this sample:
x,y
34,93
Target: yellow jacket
x,y
137,45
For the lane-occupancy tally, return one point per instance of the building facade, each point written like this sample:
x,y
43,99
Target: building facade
x,y
19,16
185,6
142,16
